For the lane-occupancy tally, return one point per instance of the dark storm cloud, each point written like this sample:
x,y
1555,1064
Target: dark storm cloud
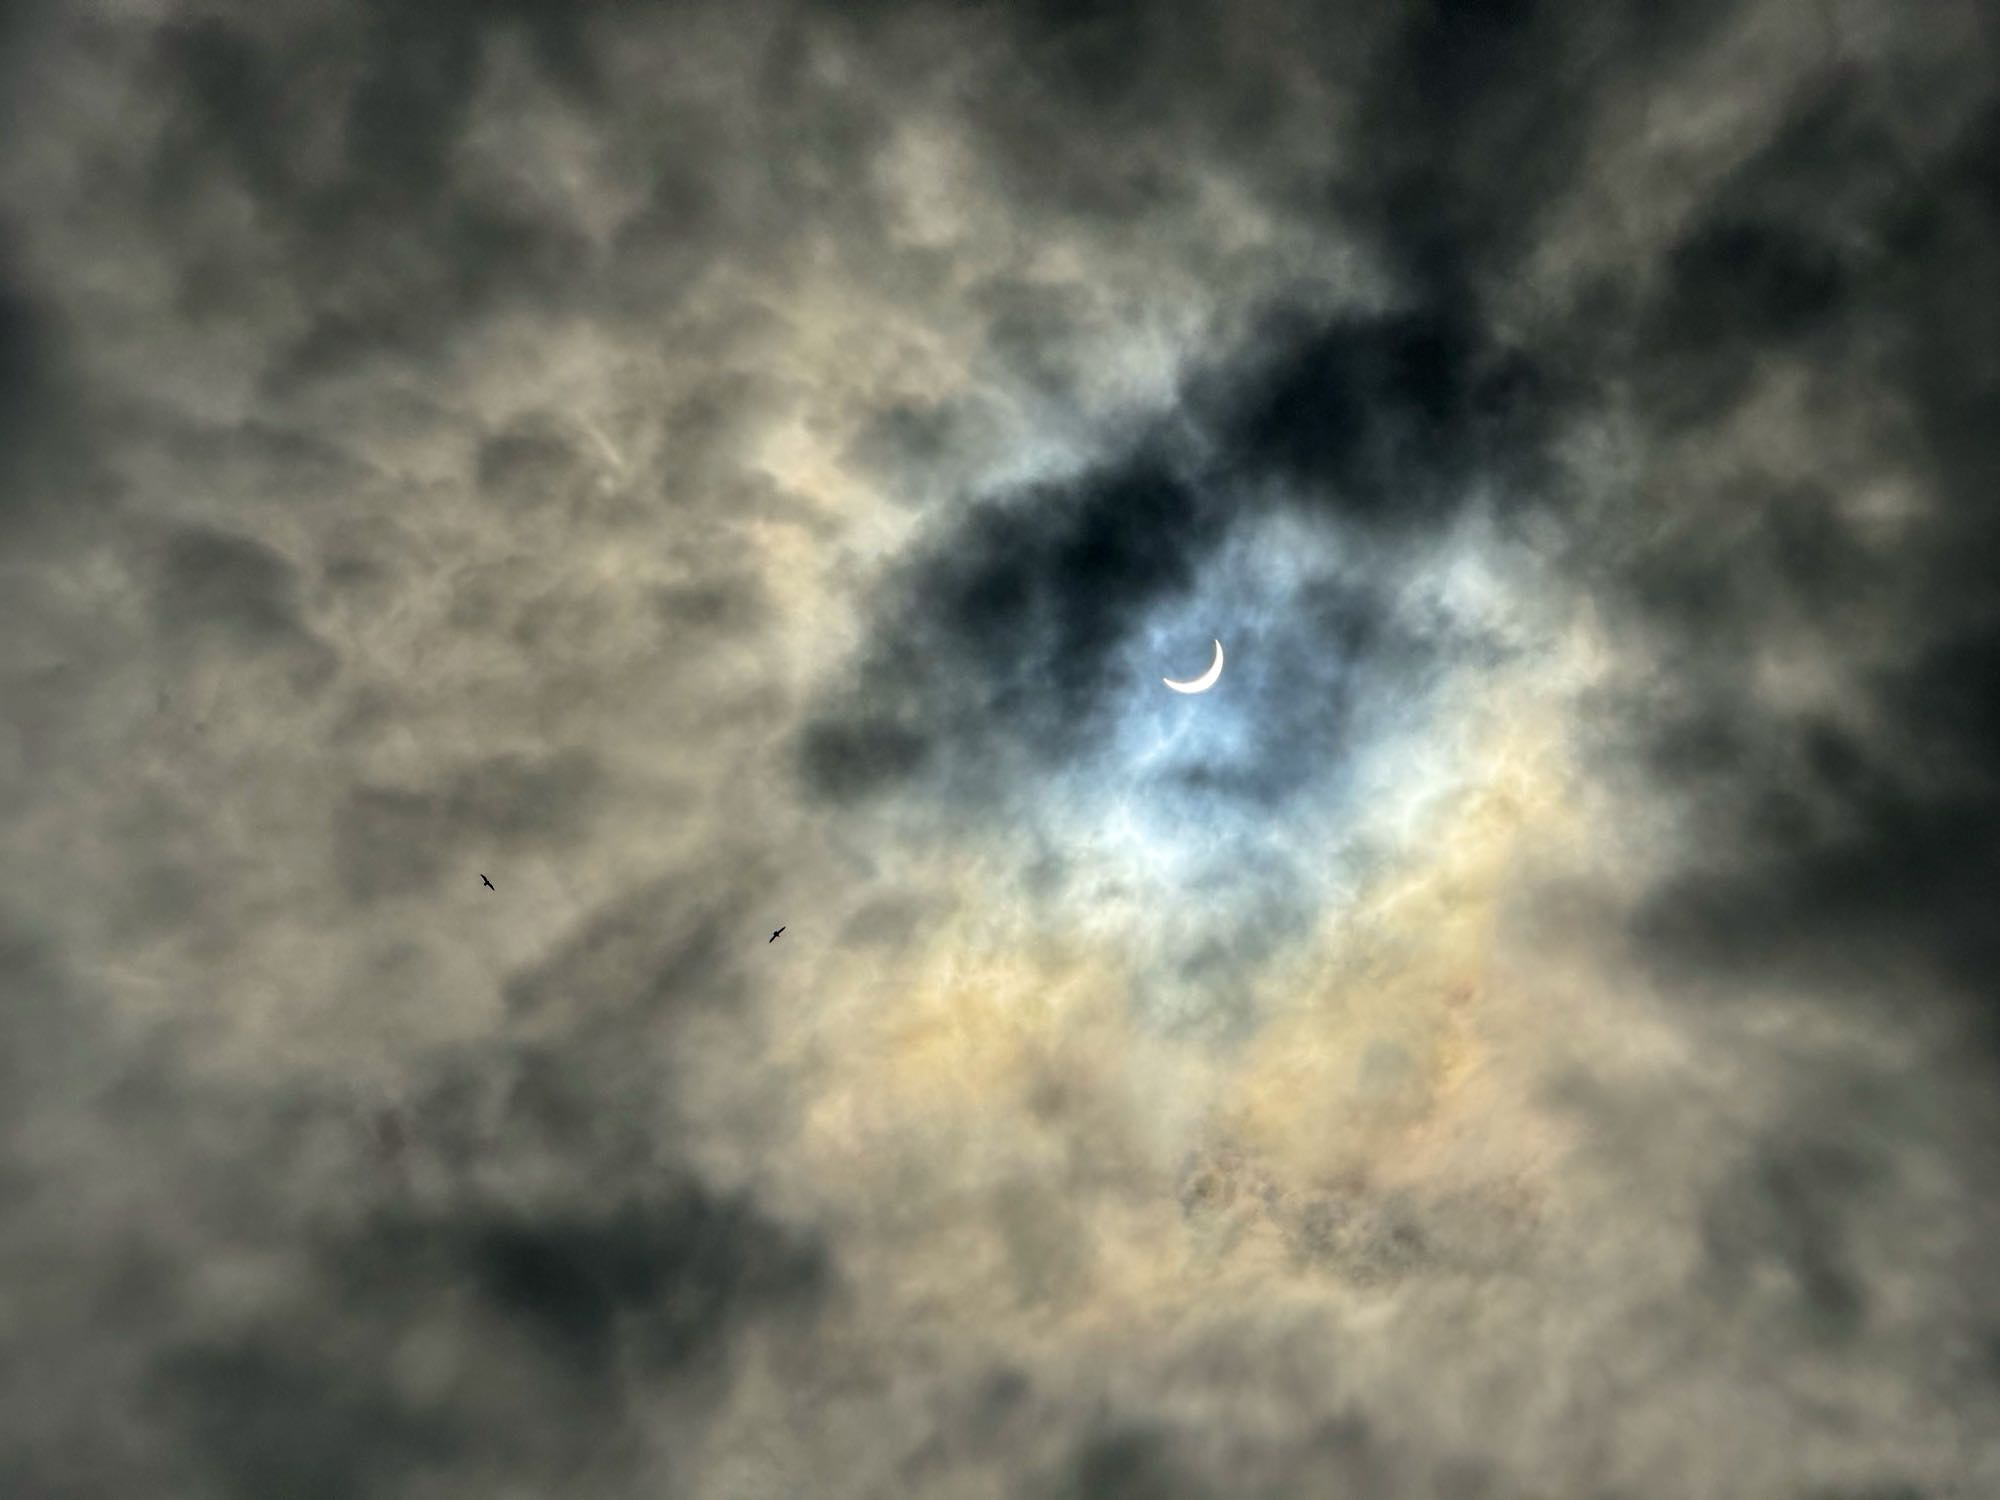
x,y
1867,843
666,1279
1339,1455
1788,1210
45,461
551,1315
1463,124
1782,259
235,584
1004,636
349,131
1846,847
1129,1463
531,463
383,238
1476,120
1015,622
222,589
262,1418
24,355
1386,420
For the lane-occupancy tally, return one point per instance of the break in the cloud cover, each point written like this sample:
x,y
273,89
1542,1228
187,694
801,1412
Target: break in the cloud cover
x,y
1527,1033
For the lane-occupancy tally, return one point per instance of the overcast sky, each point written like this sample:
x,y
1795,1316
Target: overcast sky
x,y
1529,1032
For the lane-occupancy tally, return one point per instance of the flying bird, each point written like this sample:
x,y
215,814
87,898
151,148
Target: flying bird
x,y
487,883
773,938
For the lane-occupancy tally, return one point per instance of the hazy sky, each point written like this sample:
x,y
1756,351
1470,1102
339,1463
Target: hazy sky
x,y
1529,1033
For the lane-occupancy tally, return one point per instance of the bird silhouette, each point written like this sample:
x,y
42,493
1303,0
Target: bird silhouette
x,y
773,938
487,883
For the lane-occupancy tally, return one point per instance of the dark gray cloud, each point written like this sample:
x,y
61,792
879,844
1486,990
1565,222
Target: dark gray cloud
x,y
1013,625
232,584
1037,602
1861,833
525,1313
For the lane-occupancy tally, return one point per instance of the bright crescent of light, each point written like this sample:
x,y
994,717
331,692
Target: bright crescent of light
x,y
1202,683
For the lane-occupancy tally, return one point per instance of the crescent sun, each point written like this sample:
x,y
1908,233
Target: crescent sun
x,y
1202,683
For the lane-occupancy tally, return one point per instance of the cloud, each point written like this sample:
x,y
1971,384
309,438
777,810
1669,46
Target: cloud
x,y
1527,1031
392,840
1012,623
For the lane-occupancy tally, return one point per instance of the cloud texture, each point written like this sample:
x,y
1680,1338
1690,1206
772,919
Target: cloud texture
x,y
1528,1032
